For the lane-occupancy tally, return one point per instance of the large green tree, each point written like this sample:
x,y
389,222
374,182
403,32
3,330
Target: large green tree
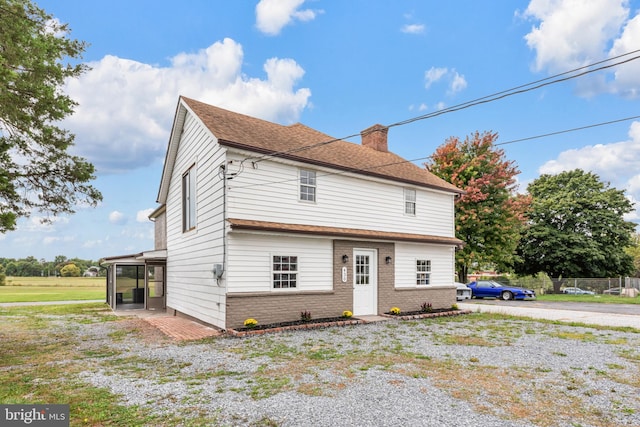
x,y
576,228
634,252
490,215
37,173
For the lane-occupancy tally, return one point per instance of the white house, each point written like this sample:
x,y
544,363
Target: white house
x,y
262,220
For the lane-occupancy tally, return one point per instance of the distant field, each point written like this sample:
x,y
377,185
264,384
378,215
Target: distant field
x,y
29,289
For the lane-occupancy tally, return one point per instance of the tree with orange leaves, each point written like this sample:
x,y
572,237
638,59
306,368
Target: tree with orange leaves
x,y
490,215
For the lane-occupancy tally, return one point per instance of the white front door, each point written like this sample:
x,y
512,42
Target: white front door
x,y
365,282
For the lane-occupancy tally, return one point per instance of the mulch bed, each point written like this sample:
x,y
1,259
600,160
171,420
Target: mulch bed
x,y
441,312
338,321
293,325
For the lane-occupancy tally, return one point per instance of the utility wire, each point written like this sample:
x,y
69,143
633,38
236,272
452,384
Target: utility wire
x,y
568,130
483,100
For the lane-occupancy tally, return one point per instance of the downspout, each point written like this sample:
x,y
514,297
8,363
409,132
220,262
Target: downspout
x,y
223,171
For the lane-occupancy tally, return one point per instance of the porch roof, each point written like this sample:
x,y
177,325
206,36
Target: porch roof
x,y
136,259
351,233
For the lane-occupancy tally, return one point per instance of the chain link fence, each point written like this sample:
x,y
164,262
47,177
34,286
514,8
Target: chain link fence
x,y
605,286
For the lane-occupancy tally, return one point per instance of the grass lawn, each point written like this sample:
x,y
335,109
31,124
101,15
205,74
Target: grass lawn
x,y
50,353
30,289
604,299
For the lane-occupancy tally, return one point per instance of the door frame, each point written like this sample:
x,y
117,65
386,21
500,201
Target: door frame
x,y
155,303
373,280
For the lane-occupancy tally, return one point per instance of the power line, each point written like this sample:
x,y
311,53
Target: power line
x,y
482,100
568,130
357,170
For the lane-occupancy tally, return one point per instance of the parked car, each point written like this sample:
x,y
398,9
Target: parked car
x,y
612,291
462,291
490,288
577,291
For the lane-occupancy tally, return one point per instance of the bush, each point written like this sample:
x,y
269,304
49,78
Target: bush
x,y
347,314
395,311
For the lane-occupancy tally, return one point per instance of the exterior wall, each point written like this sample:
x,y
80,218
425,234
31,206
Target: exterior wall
x,y
442,264
269,306
192,288
250,262
270,193
160,231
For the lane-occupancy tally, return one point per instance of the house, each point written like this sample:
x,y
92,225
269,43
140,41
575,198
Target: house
x,y
259,220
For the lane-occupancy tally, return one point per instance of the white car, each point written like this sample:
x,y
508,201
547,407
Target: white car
x,y
462,291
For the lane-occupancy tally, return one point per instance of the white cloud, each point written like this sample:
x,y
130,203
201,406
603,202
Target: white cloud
x,y
627,76
273,15
615,163
126,107
143,216
413,29
568,34
456,81
117,218
433,75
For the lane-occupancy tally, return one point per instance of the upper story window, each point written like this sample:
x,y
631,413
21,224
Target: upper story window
x,y
409,201
285,271
189,199
307,185
423,271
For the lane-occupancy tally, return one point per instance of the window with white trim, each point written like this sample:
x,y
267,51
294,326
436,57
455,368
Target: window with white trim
x,y
409,201
307,185
423,271
285,271
189,199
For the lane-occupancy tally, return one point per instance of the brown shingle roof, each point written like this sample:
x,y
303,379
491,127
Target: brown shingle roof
x,y
260,136
351,233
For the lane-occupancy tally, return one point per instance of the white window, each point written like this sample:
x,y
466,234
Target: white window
x,y
423,271
409,201
189,199
285,271
307,185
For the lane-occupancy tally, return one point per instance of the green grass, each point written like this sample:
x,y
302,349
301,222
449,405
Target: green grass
x,y
36,289
603,299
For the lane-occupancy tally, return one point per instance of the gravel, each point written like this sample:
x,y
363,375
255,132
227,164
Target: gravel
x,y
467,371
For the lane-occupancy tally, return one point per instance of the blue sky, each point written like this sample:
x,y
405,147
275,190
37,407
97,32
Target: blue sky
x,y
340,67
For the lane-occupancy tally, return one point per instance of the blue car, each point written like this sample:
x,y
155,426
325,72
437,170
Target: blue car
x,y
491,289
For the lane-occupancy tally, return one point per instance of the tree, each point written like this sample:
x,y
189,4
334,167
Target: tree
x,y
33,149
490,215
3,276
70,270
634,252
576,228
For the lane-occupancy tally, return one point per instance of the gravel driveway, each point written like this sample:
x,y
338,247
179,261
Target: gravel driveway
x,y
472,370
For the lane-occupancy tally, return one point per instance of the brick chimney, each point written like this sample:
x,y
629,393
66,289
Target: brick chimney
x,y
375,137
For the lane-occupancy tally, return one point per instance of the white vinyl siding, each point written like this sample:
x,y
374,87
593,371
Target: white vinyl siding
x,y
441,264
191,287
345,201
250,266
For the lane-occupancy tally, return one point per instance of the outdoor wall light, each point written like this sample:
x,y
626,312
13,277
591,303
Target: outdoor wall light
x,y
345,259
387,260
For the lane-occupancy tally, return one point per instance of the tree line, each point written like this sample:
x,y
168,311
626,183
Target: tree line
x,y
60,266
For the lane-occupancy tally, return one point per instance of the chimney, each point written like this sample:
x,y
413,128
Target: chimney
x,y
375,137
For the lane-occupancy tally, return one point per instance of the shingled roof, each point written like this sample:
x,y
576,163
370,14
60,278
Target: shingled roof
x,y
302,143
